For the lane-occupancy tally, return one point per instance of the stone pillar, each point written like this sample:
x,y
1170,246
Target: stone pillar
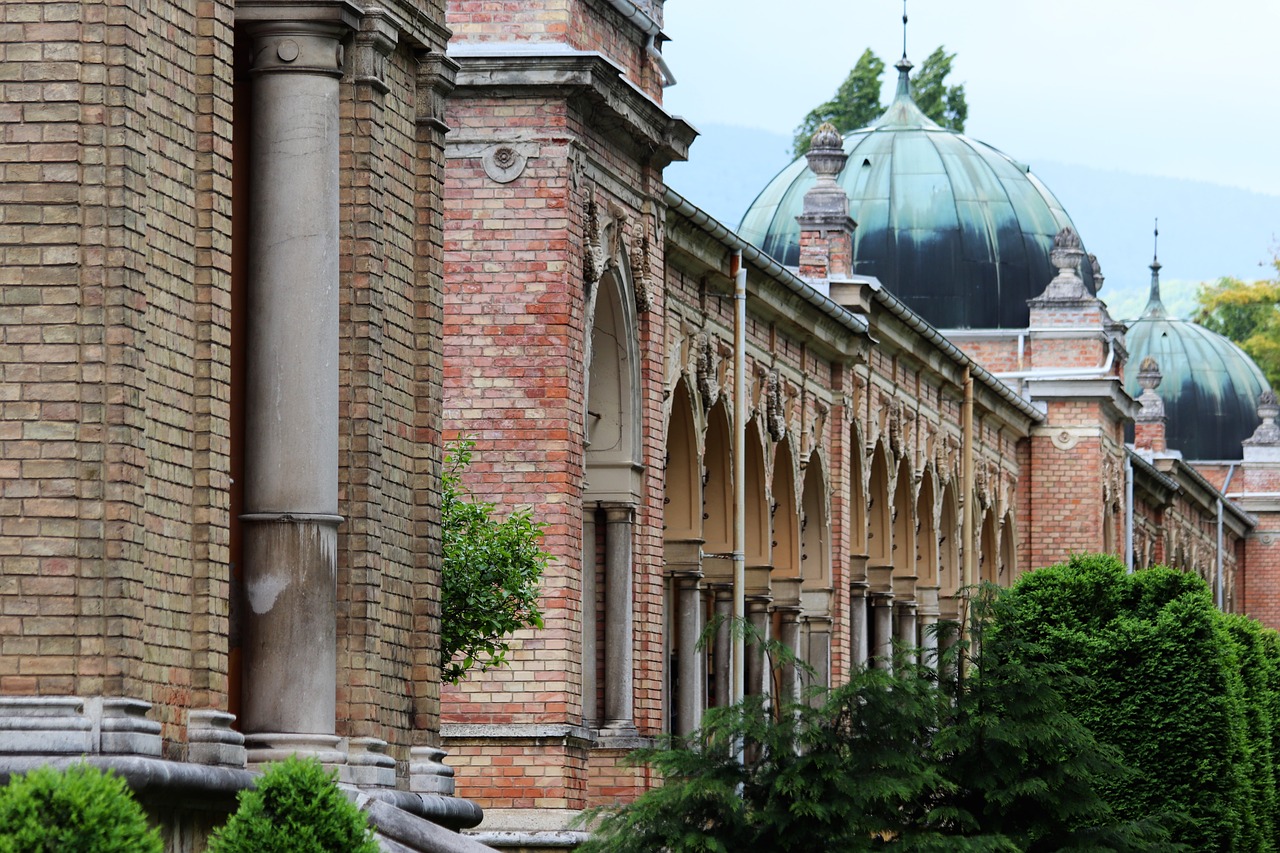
x,y
858,651
928,611
786,603
619,702
906,626
590,652
722,595
757,670
882,627
692,668
291,396
905,622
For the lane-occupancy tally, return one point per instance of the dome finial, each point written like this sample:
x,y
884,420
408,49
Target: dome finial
x,y
904,29
1155,306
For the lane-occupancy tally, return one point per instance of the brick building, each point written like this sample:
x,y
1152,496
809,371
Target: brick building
x,y
258,260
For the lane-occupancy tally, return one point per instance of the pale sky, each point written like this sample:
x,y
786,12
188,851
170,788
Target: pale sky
x,y
1168,87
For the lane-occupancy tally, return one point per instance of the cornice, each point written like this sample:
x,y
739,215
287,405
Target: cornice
x,y
616,104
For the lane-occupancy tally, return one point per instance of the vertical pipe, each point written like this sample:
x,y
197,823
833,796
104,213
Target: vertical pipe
x,y
739,473
1128,513
1217,583
967,477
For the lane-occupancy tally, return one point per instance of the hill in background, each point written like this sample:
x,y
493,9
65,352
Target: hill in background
x,y
1206,230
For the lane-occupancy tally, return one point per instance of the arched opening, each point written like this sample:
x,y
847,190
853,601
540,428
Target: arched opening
x,y
610,497
879,561
905,603
949,566
1008,550
784,512
785,580
682,558
857,495
988,553
926,534
879,511
816,570
758,552
717,530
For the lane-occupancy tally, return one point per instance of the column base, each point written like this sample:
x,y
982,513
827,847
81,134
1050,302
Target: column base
x,y
265,747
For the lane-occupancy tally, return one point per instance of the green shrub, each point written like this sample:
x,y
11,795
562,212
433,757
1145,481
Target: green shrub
x,y
81,809
295,808
1160,681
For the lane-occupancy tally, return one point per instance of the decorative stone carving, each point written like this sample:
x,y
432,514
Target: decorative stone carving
x,y
436,76
1067,255
595,253
640,277
370,47
1149,378
775,414
504,163
1096,269
708,375
1267,432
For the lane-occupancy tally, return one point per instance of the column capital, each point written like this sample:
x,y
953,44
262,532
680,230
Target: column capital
x,y
296,37
618,512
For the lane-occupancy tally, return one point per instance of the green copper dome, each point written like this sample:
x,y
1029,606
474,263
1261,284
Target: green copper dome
x,y
1209,386
957,230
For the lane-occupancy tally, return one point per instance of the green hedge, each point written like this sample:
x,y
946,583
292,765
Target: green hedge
x,y
1187,694
81,809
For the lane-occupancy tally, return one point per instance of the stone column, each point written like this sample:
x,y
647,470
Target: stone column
x,y
692,670
786,603
619,618
590,663
858,651
722,595
291,396
882,628
906,630
928,614
757,674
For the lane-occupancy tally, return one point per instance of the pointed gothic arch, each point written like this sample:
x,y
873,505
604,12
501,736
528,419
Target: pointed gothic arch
x,y
879,510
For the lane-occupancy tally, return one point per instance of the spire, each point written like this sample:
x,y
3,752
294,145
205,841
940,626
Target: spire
x,y
903,111
1155,307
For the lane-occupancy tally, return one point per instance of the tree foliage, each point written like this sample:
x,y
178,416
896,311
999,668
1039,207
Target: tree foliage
x,y
80,809
1168,681
1247,313
492,568
296,807
856,103
890,761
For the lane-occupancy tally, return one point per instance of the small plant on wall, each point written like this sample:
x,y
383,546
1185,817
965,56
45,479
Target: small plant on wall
x,y
492,570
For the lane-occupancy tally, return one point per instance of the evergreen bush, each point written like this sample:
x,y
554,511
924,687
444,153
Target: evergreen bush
x,y
296,807
1160,682
80,809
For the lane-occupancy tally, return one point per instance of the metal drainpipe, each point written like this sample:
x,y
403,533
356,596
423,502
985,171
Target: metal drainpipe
x,y
1128,513
739,271
1218,591
967,476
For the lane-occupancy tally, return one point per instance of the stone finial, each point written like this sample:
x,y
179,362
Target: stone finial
x,y
1267,433
1149,374
1149,377
1149,424
826,153
1067,255
826,230
1096,269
